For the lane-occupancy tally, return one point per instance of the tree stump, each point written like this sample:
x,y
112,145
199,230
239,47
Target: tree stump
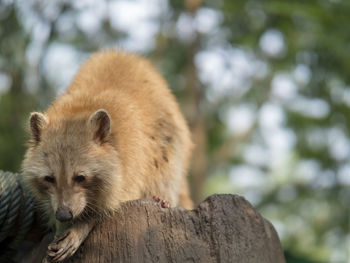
x,y
223,228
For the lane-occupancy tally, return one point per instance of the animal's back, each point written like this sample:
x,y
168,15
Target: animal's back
x,y
151,135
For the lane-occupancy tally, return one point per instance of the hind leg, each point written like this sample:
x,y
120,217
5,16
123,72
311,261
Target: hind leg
x,y
185,199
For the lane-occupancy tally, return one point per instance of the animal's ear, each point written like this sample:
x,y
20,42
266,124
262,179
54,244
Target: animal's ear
x,y
37,122
100,125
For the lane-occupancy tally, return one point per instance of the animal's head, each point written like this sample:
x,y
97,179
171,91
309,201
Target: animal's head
x,y
70,163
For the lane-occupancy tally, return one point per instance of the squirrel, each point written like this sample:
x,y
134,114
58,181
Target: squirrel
x,y
116,134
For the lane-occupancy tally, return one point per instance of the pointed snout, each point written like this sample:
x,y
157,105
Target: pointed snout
x,y
64,214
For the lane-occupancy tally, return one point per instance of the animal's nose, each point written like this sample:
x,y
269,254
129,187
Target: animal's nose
x,y
64,214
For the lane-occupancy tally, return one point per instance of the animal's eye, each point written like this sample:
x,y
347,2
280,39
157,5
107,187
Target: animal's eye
x,y
79,178
49,178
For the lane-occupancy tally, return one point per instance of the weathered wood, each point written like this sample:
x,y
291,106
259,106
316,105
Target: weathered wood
x,y
224,228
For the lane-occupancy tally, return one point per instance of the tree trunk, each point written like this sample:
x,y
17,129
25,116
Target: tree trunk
x,y
224,228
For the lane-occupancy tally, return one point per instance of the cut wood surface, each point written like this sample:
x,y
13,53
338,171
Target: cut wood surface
x,y
223,228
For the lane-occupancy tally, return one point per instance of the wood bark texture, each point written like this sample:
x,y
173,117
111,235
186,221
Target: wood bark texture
x,y
223,228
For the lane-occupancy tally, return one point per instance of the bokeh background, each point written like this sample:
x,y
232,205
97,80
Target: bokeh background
x,y
264,86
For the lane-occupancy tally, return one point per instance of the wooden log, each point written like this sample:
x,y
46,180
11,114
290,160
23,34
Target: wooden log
x,y
223,228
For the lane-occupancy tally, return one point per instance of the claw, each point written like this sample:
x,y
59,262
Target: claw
x,y
162,203
54,252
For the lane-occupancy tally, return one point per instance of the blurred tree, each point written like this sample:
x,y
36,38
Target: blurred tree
x,y
16,101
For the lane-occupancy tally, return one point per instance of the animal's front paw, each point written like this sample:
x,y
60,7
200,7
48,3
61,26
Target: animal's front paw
x,y
63,246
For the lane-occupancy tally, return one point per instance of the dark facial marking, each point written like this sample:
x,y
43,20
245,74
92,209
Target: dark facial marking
x,y
50,179
79,178
95,185
40,185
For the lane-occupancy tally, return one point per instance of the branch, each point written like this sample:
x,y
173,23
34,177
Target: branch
x,y
224,228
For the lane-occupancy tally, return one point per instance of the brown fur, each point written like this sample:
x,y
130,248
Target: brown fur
x,y
138,146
